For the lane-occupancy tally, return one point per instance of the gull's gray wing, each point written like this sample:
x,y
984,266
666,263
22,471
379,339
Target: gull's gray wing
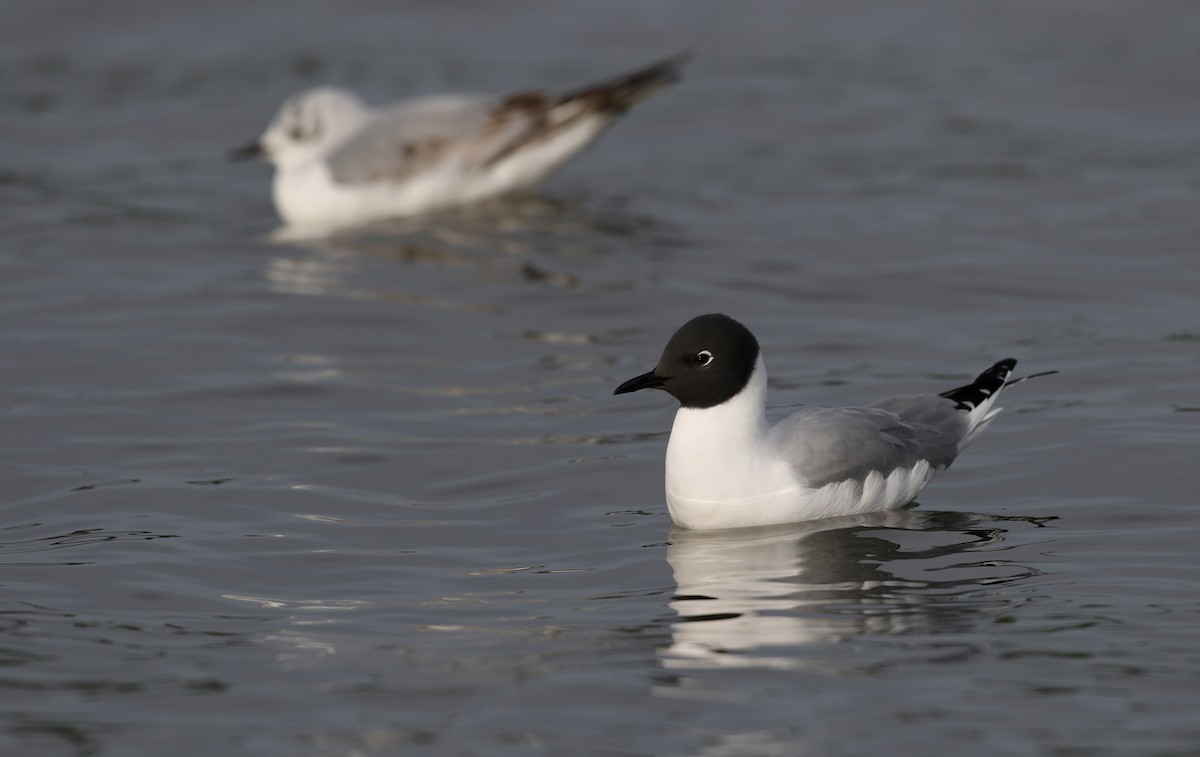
x,y
475,130
831,444
481,131
407,138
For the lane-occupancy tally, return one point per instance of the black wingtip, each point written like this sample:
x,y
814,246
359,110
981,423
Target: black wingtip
x,y
676,62
985,385
988,384
618,94
666,71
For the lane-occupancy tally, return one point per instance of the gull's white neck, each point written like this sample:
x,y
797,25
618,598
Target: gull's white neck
x,y
721,455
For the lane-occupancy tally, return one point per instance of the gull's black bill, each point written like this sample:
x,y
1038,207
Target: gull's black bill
x,y
645,381
246,152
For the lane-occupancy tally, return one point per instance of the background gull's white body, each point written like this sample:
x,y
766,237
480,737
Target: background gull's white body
x,y
307,193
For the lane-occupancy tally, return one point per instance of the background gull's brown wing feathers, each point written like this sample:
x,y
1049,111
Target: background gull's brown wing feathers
x,y
479,131
546,116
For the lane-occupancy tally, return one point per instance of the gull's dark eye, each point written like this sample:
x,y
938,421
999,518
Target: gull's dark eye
x,y
703,357
305,127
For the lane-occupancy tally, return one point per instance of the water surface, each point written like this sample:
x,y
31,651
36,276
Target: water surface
x,y
372,495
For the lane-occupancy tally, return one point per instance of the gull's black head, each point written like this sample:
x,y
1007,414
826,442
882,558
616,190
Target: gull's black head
x,y
706,363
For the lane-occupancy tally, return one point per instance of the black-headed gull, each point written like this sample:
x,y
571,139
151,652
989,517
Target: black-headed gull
x,y
728,467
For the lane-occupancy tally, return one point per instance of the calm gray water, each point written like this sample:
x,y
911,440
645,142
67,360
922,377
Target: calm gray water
x,y
373,496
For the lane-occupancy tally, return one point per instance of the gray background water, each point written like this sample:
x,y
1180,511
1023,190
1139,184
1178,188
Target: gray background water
x,y
373,497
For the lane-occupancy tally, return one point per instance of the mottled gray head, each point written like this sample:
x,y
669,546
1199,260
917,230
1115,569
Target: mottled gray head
x,y
306,124
707,362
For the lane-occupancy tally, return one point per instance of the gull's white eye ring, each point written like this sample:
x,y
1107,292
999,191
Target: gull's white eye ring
x,y
703,357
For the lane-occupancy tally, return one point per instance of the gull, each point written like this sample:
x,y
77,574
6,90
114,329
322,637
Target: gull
x,y
340,162
728,467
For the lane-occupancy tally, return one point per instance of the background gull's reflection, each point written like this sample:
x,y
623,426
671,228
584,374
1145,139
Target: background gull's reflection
x,y
524,239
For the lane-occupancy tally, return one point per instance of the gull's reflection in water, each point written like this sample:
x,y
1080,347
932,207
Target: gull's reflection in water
x,y
528,238
755,597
